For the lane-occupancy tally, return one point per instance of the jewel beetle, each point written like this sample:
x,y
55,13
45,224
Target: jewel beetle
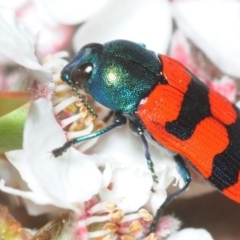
x,y
159,97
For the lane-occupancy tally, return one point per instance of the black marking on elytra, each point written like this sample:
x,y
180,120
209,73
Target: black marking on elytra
x,y
226,165
195,107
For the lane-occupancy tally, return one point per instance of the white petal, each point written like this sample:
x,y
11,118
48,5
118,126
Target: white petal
x,y
131,178
70,11
157,200
107,175
226,87
15,4
191,233
8,173
211,25
72,172
51,37
68,179
18,158
145,21
34,209
238,104
33,196
18,44
130,187
126,147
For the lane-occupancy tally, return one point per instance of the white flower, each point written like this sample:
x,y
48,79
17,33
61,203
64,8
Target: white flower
x,y
14,4
150,22
17,44
191,233
130,178
64,181
74,178
181,51
210,25
145,21
69,12
52,22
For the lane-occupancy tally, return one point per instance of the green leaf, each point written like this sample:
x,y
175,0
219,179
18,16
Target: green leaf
x,y
10,101
11,129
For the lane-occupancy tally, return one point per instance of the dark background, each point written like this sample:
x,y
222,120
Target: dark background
x,y
214,212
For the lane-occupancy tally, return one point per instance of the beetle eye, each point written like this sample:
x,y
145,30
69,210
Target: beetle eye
x,y
80,75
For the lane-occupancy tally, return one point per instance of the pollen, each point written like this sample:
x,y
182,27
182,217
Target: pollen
x,y
103,207
110,207
71,108
110,226
135,227
127,238
117,216
145,215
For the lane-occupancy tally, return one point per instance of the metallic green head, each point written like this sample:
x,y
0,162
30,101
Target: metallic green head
x,y
118,74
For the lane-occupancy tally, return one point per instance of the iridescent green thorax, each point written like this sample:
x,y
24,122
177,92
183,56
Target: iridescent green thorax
x,y
122,73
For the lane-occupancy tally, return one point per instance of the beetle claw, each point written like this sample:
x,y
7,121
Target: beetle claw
x,y
59,151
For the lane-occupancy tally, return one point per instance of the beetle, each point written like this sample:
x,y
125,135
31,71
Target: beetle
x,y
159,97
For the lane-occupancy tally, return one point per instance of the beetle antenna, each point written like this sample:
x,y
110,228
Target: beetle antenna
x,y
85,103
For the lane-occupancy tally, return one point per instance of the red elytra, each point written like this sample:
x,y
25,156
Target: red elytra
x,y
210,137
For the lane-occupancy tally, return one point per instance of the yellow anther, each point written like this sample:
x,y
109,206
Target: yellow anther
x,y
135,227
109,207
75,127
79,103
71,108
89,119
58,81
84,111
110,226
127,238
61,94
117,216
145,215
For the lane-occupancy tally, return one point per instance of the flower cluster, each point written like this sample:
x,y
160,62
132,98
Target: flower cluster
x,y
104,183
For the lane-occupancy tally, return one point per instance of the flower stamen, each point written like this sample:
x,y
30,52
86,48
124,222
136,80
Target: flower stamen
x,y
133,228
65,122
76,134
99,234
61,106
127,238
97,219
142,213
117,216
103,207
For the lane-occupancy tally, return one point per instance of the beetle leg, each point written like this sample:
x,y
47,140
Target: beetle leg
x,y
119,121
186,176
148,157
138,129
